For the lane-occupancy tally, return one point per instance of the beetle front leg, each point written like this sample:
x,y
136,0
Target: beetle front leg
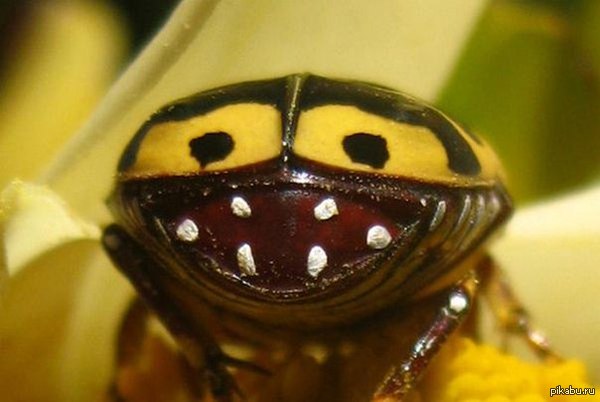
x,y
400,379
197,345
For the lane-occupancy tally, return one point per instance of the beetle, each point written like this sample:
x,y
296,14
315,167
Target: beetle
x,y
306,204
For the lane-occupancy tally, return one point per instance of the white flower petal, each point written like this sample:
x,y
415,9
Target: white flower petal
x,y
99,306
551,252
33,220
62,301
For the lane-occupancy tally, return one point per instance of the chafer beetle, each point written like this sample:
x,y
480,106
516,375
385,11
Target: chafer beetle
x,y
305,204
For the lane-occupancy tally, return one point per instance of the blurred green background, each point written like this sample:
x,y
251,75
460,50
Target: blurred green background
x,y
528,82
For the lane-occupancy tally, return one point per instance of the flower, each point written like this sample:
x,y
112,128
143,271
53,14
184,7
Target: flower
x,y
466,371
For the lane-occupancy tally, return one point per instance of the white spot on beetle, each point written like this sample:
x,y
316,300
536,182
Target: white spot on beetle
x,y
245,260
240,207
187,231
378,237
326,209
317,260
457,302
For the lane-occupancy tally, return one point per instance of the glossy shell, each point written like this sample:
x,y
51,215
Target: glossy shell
x,y
305,198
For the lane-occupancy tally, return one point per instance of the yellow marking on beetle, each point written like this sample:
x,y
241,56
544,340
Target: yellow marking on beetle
x,y
491,167
255,130
414,151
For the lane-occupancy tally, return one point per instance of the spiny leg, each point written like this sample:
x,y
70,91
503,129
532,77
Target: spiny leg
x,y
508,310
201,351
402,378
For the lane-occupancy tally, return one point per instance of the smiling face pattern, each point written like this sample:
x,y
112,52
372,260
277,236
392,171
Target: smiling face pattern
x,y
306,188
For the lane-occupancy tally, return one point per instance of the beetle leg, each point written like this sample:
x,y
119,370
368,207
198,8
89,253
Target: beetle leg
x,y
201,351
508,310
400,379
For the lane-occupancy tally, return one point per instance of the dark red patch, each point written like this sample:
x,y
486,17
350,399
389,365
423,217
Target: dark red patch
x,y
281,231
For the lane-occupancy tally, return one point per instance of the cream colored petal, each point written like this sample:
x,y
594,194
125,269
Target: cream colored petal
x,y
62,300
58,323
34,220
410,45
99,306
551,252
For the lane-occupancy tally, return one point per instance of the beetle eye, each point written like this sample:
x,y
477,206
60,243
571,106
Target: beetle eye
x,y
367,149
211,147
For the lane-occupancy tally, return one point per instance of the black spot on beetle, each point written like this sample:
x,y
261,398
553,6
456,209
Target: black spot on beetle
x,y
211,147
366,148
